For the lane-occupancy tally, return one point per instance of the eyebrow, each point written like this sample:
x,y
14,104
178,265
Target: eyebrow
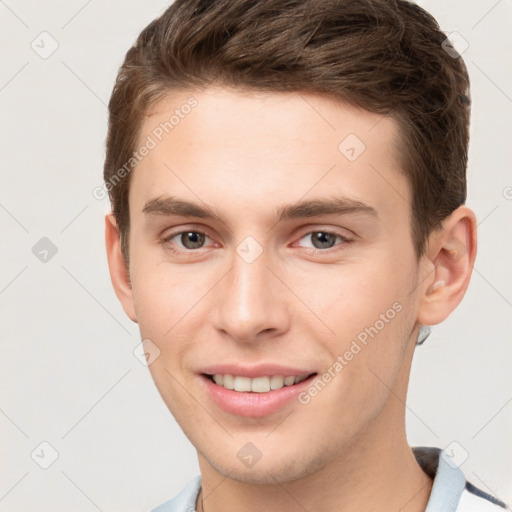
x,y
169,205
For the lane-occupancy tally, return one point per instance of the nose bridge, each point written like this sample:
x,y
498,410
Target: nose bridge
x,y
249,302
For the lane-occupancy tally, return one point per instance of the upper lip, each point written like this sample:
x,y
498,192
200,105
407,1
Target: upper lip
x,y
259,370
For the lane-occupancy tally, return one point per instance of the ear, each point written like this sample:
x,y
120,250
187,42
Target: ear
x,y
119,273
450,255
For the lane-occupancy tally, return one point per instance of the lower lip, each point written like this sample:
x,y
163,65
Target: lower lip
x,y
252,404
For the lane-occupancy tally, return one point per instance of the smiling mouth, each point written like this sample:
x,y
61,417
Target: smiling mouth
x,y
262,384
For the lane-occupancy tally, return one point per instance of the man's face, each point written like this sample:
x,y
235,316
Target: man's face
x,y
269,288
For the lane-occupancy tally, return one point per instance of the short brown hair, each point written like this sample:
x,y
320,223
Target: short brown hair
x,y
386,56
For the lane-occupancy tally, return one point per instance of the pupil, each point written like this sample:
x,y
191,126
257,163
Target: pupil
x,y
321,238
192,240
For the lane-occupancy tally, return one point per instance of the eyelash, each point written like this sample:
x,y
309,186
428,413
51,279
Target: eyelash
x,y
344,241
167,239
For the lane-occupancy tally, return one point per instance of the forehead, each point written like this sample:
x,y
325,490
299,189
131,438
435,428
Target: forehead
x,y
266,145
298,115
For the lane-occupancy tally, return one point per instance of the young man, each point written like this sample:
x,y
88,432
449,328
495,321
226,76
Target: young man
x,y
287,182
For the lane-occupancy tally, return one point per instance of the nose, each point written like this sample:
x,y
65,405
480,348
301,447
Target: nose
x,y
251,303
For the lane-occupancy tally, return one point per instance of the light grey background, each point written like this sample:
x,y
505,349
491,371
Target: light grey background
x,y
69,377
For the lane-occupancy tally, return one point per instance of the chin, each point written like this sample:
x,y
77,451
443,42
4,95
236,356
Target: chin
x,y
267,472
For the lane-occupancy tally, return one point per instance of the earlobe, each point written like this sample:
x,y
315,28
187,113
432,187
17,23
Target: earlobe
x,y
451,251
119,273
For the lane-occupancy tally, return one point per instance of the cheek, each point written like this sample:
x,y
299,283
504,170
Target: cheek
x,y
383,316
164,295
353,297
369,313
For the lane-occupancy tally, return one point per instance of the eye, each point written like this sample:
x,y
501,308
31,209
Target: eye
x,y
321,240
192,240
189,240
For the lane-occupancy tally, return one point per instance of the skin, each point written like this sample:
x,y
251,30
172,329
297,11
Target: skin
x,y
244,155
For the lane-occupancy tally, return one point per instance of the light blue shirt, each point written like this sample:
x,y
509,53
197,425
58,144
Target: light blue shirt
x,y
451,492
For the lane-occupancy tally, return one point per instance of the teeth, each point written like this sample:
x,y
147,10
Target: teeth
x,y
300,379
227,381
288,381
242,384
258,384
276,382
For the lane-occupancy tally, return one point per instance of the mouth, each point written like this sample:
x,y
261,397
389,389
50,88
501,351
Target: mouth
x,y
263,384
254,397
